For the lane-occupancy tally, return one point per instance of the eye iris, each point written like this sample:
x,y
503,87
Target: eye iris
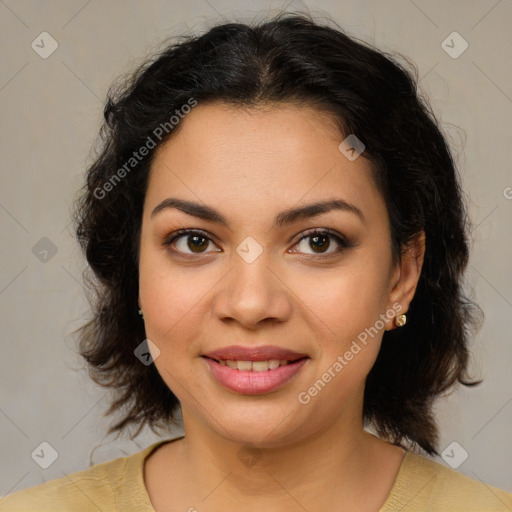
x,y
315,239
195,245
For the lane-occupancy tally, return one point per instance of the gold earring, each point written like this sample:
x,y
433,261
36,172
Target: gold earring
x,y
401,320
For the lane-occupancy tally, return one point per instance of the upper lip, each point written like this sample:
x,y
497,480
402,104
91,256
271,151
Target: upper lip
x,y
261,353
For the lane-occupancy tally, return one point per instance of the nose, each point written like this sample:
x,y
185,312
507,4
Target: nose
x,y
252,294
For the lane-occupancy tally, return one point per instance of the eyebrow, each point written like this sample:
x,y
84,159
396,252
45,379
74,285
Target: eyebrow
x,y
283,218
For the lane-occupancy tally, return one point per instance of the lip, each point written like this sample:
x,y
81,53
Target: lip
x,y
261,353
253,382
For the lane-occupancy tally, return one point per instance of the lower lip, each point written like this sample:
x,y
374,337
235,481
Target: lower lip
x,y
251,382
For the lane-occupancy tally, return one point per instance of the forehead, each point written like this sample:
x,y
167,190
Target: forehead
x,y
225,155
276,128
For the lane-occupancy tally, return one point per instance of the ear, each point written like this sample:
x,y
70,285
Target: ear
x,y
405,277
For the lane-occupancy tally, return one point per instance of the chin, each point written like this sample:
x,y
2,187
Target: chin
x,y
274,429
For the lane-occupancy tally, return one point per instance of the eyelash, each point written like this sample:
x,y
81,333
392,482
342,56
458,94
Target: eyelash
x,y
342,241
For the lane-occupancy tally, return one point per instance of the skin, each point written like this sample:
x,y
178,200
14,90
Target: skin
x,y
250,165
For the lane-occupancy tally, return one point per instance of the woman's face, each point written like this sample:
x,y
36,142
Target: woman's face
x,y
250,281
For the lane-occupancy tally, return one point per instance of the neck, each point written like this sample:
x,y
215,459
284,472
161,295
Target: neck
x,y
342,462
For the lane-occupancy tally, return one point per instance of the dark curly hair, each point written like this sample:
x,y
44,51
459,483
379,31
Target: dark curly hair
x,y
289,58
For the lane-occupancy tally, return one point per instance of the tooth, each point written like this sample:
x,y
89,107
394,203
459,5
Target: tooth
x,y
257,366
260,366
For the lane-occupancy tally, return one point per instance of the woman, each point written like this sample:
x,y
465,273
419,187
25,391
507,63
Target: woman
x,y
276,228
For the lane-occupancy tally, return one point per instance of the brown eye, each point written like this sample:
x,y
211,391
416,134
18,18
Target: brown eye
x,y
196,243
320,242
189,241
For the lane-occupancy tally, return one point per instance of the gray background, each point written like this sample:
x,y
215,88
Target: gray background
x,y
50,113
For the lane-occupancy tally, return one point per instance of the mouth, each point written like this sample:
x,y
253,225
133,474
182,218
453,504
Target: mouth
x,y
254,371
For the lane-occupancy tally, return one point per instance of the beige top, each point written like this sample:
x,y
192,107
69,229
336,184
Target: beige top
x,y
118,485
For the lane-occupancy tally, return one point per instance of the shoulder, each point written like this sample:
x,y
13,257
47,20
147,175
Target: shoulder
x,y
423,484
96,488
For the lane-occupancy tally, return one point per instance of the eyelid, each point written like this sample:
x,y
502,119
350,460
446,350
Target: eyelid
x,y
187,231
322,231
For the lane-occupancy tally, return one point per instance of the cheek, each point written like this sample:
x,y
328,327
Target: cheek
x,y
169,300
172,321
347,299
